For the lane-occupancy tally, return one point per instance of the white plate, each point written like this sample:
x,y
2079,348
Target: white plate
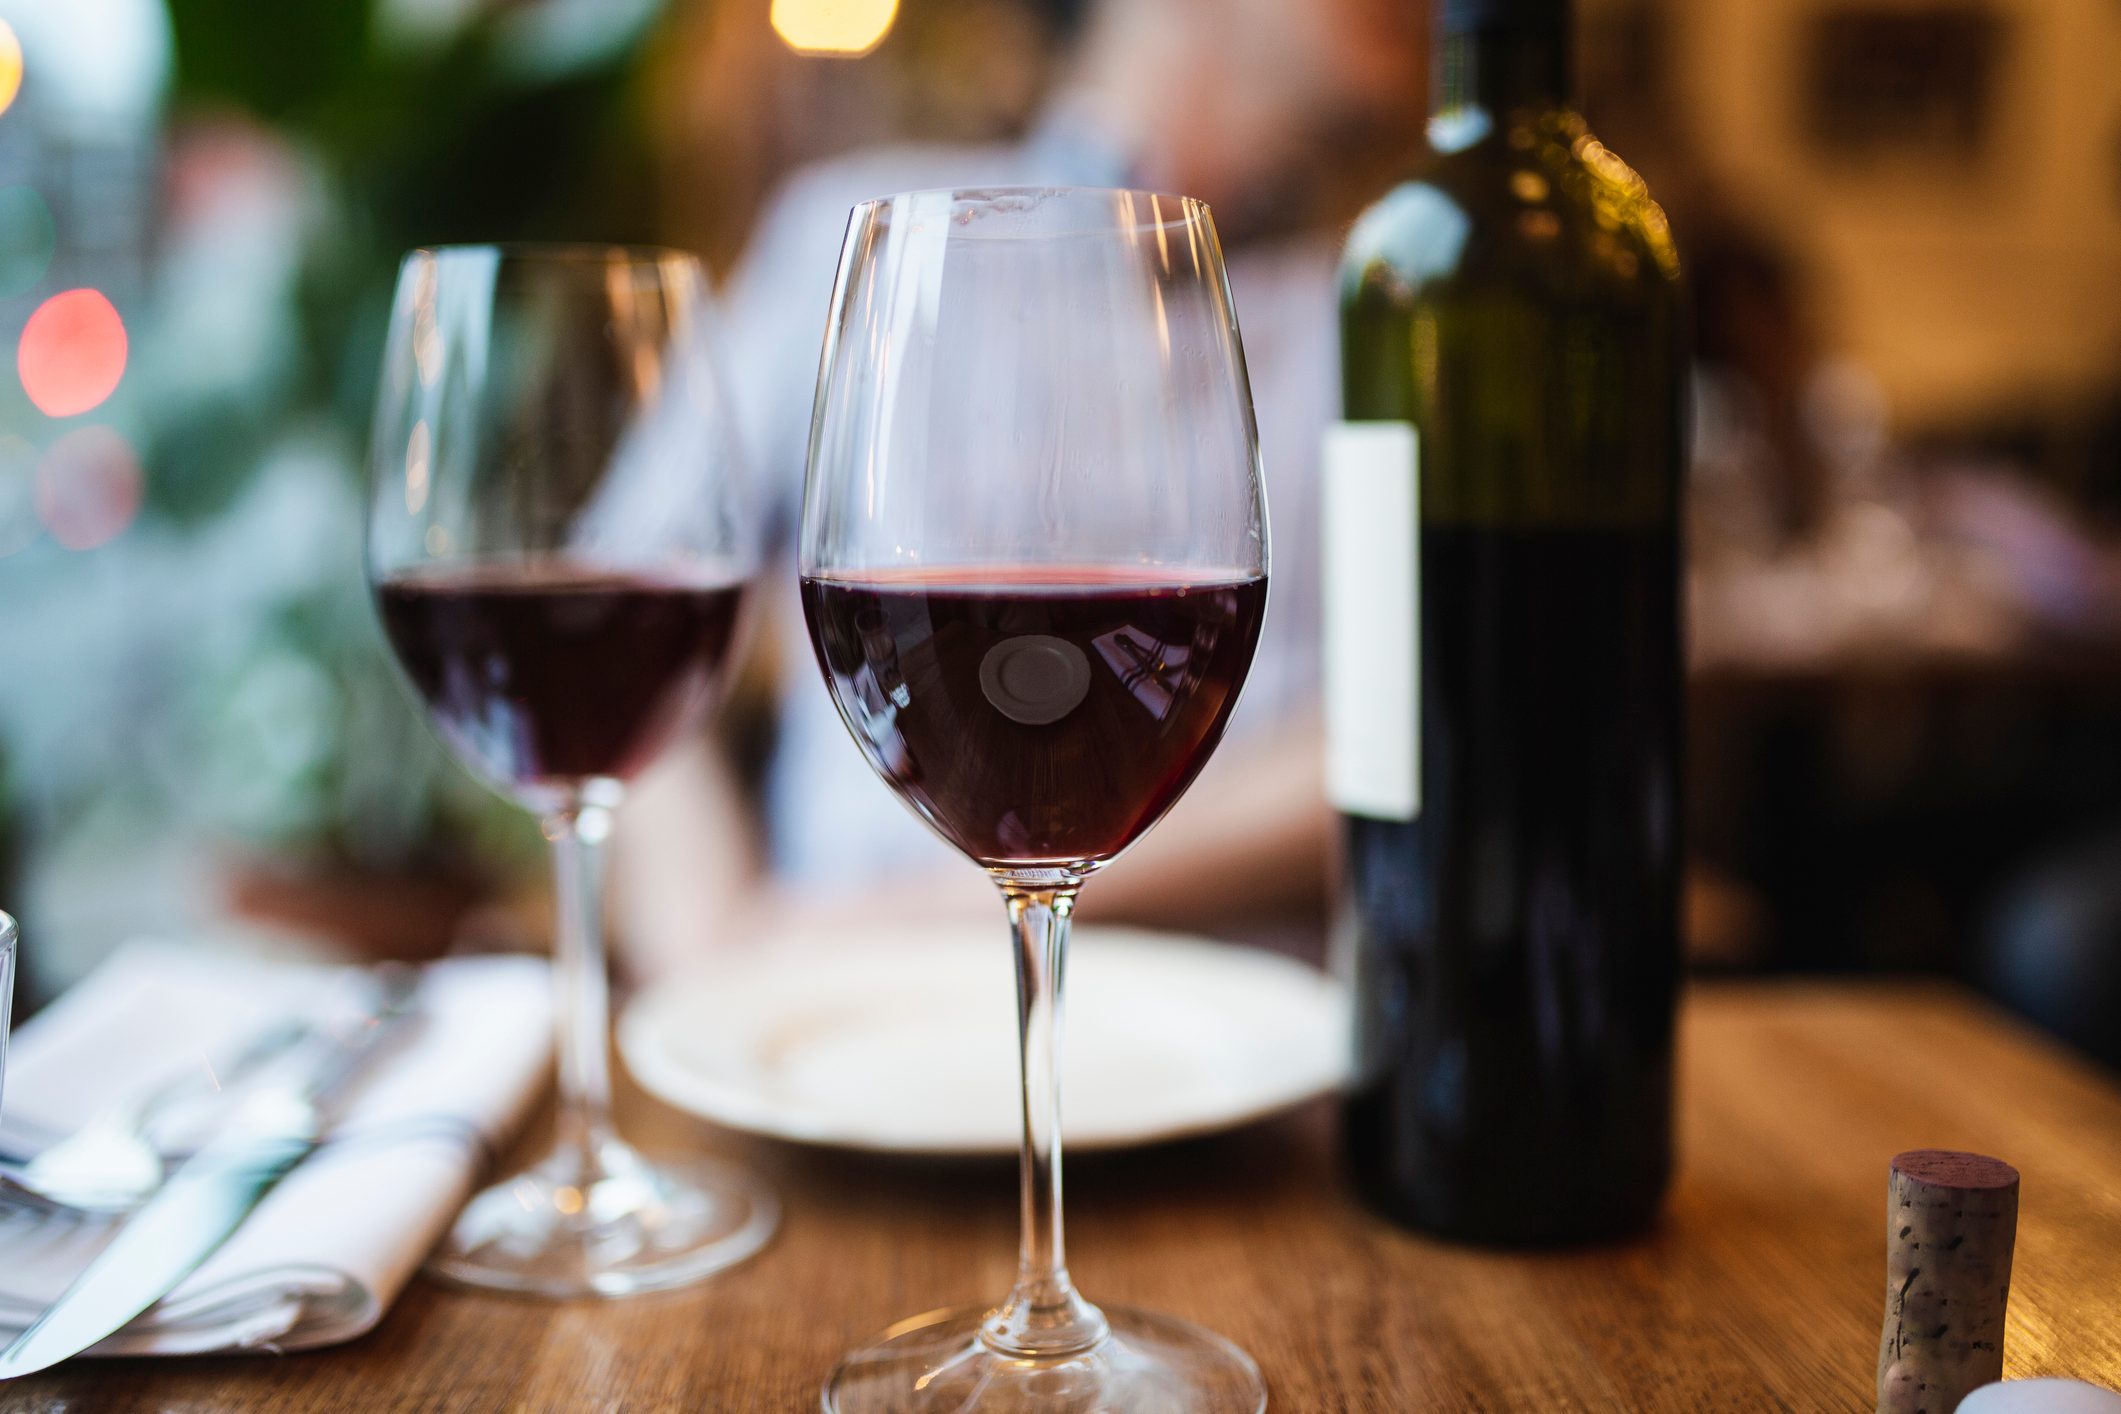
x,y
907,1041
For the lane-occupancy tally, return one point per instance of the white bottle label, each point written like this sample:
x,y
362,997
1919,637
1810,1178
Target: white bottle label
x,y
1372,582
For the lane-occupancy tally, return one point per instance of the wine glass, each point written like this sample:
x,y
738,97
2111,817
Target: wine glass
x,y
1034,555
7,993
559,535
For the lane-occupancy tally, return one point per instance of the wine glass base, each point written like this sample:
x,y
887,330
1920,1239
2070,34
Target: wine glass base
x,y
1150,1364
606,1222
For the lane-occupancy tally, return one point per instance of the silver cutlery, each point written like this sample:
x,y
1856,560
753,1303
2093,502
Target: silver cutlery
x,y
112,1162
208,1196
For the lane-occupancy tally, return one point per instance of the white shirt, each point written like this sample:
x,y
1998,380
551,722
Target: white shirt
x,y
830,817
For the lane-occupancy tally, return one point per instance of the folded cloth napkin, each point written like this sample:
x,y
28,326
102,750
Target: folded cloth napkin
x,y
333,1244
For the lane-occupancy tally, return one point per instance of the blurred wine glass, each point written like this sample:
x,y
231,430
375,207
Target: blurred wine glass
x,y
559,538
7,996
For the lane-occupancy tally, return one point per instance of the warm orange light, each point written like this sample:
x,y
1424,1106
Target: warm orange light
x,y
72,353
843,27
88,487
10,65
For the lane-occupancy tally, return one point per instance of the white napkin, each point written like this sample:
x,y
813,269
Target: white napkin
x,y
328,1249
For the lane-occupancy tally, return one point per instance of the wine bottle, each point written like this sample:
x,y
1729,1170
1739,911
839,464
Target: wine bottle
x,y
1503,659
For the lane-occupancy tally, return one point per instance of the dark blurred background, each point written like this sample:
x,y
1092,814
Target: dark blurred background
x,y
1903,225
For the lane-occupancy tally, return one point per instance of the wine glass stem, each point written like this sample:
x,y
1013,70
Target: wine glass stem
x,y
1043,1315
582,999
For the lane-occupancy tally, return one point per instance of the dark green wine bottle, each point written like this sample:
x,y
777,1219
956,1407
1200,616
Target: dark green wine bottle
x,y
1503,659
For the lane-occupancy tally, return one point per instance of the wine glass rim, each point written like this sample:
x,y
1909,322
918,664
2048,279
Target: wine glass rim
x,y
562,252
1191,209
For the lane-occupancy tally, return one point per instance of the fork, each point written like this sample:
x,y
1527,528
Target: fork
x,y
17,1201
32,1225
110,1163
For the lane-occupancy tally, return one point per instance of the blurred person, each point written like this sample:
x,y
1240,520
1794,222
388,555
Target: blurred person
x,y
1286,119
2051,947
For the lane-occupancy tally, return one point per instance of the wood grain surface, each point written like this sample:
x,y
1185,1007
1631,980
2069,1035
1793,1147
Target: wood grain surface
x,y
1762,1290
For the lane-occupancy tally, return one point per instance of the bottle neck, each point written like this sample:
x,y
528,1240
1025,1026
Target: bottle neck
x,y
1496,56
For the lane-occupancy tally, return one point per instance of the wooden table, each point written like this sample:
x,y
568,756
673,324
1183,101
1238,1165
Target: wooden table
x,y
1762,1290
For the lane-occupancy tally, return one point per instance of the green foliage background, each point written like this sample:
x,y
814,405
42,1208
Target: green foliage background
x,y
507,122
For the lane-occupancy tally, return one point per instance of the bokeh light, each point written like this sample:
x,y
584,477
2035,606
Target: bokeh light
x,y
72,353
843,27
28,236
89,487
18,495
10,65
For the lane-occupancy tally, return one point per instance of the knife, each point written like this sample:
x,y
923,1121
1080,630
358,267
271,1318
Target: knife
x,y
209,1195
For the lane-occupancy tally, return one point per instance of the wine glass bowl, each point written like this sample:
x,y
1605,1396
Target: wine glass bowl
x,y
559,537
997,682
547,676
1034,569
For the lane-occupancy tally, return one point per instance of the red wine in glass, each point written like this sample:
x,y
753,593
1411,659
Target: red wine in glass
x,y
1036,715
547,671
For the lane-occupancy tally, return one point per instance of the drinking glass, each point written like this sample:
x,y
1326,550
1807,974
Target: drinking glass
x,y
559,535
7,995
1033,560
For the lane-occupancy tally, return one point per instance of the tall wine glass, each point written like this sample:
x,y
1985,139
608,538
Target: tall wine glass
x,y
559,535
1034,557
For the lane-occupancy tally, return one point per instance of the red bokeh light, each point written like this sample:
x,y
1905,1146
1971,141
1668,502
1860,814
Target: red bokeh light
x,y
72,353
89,487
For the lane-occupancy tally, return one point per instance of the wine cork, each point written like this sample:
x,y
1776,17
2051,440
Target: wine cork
x,y
1951,1220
